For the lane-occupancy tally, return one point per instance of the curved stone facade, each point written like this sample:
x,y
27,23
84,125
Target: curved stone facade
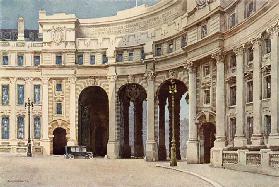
x,y
223,52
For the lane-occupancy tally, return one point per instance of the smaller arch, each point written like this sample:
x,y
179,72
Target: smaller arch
x,y
59,123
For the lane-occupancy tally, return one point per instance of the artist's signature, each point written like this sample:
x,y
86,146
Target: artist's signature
x,y
17,180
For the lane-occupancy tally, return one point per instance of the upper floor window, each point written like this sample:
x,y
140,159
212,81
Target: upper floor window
x,y
131,56
267,45
119,57
158,49
232,61
184,41
203,31
249,130
5,59
249,8
105,59
20,94
20,60
5,94
92,59
170,47
206,97
232,129
20,127
58,60
142,54
250,91
59,108
267,125
80,59
37,94
250,54
37,60
206,70
59,87
5,127
37,127
232,20
267,86
232,95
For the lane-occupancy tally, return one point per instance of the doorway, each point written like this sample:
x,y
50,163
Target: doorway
x,y
59,141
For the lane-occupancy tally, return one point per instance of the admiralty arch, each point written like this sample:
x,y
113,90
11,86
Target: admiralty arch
x,y
104,83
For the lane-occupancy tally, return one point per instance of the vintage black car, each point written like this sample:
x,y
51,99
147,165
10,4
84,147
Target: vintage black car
x,y
72,152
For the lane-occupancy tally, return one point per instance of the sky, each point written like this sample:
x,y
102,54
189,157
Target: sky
x,y
10,10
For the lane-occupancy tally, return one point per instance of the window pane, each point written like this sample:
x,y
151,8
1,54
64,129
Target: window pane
x,y
58,87
58,108
203,31
20,127
58,60
131,56
37,94
5,128
20,60
80,60
5,94
37,127
92,59
5,60
119,57
37,60
20,94
105,59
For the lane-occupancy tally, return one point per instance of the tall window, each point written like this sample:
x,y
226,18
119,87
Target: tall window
x,y
158,49
249,130
59,108
250,54
58,60
119,57
92,59
232,20
249,8
267,85
232,95
5,127
20,127
58,87
5,94
232,61
232,129
206,70
249,91
37,94
267,44
203,31
80,59
37,60
170,48
142,55
267,125
206,97
5,59
105,59
184,41
37,127
20,94
131,56
20,60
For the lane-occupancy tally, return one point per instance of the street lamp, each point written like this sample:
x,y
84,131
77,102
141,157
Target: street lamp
x,y
173,91
29,104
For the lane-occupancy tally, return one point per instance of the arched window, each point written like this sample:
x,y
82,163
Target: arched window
x,y
37,127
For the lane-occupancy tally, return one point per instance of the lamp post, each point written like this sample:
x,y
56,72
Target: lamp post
x,y
29,105
173,91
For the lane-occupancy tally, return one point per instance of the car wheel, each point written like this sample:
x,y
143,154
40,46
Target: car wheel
x,y
71,157
90,156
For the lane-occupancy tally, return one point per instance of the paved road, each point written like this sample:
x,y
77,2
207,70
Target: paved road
x,y
59,172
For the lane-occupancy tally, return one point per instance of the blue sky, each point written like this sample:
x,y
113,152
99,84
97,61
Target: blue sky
x,y
10,10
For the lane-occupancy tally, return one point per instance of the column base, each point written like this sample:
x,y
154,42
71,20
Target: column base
x,y
240,141
273,140
151,154
257,139
192,152
46,147
220,142
113,148
216,157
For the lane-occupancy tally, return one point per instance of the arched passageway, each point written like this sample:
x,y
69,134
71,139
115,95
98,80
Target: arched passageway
x,y
93,130
165,99
59,141
132,101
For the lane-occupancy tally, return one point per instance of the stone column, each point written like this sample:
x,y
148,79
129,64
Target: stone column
x,y
273,139
240,140
257,137
45,138
192,143
151,145
12,98
113,142
162,154
73,139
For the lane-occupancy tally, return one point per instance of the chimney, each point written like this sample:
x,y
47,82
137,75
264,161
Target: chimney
x,y
20,29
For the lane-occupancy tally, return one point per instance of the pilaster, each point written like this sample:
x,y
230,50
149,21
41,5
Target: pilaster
x,y
73,139
45,138
13,109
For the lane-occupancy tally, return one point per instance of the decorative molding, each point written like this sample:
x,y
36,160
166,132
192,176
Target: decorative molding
x,y
112,78
131,78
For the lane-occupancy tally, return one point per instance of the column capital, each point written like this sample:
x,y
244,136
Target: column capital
x,y
150,75
72,80
12,80
112,78
239,50
274,29
45,80
256,42
218,56
190,66
28,80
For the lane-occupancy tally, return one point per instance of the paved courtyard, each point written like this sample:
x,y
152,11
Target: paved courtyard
x,y
59,172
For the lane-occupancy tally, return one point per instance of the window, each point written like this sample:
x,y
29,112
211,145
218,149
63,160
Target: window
x,y
250,54
59,87
183,41
232,61
58,60
20,60
37,60
158,50
92,59
131,56
5,60
267,44
119,57
232,95
170,48
5,127
232,20
267,125
206,70
105,59
80,59
267,84
20,127
37,94
203,31
37,127
206,99
249,91
20,94
249,9
249,131
59,108
5,94
142,55
232,129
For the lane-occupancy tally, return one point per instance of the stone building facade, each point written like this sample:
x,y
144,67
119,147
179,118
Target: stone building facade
x,y
83,75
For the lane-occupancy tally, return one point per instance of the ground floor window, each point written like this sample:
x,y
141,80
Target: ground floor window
x,y
232,129
20,127
5,127
37,127
249,129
